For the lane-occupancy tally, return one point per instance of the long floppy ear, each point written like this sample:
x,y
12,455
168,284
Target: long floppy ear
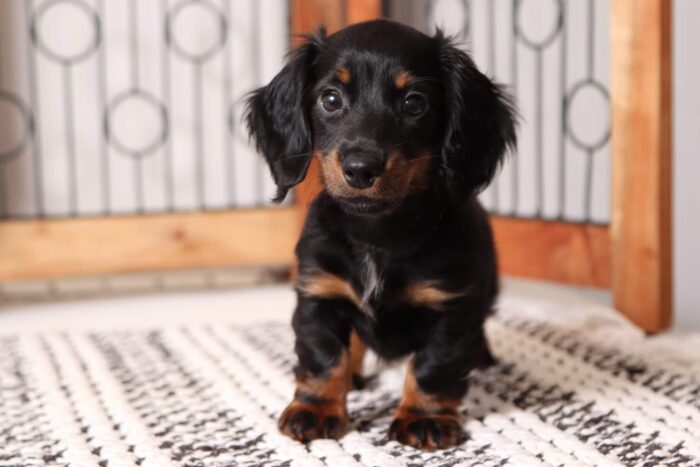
x,y
479,121
277,117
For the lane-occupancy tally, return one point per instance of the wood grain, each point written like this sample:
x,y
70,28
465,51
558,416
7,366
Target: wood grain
x,y
308,15
41,249
363,10
641,148
555,251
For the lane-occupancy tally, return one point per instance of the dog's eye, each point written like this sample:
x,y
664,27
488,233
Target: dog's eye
x,y
415,104
331,101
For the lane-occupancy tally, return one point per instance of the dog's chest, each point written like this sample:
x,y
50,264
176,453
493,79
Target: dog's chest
x,y
372,280
380,279
386,284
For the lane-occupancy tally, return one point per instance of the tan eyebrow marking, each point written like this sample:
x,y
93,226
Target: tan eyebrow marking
x,y
402,79
428,294
343,75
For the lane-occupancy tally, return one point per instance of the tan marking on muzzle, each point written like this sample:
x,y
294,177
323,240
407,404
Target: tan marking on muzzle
x,y
400,177
332,172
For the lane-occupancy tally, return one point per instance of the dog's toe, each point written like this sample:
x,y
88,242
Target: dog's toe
x,y
427,432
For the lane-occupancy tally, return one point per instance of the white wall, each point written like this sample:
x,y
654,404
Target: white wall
x,y
686,134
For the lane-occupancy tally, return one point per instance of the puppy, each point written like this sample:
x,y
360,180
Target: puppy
x,y
396,253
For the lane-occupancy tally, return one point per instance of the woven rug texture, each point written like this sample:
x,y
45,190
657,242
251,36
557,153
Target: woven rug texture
x,y
587,392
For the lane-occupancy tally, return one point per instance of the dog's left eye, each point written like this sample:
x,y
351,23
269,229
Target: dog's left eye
x,y
415,104
331,101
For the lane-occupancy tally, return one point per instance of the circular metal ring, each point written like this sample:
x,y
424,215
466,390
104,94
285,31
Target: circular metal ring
x,y
25,115
544,43
171,40
125,148
89,49
605,137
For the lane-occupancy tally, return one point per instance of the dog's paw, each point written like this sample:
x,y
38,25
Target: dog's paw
x,y
427,431
306,422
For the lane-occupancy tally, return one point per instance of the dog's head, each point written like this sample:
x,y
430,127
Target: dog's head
x,y
388,111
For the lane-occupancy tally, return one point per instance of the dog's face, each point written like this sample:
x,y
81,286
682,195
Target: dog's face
x,y
388,111
374,113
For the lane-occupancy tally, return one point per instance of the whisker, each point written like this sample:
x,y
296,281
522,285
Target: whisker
x,y
453,171
425,157
297,155
419,79
401,144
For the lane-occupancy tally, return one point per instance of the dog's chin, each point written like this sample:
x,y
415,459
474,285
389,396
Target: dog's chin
x,y
364,205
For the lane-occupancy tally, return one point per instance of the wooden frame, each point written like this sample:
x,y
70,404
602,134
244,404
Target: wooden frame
x,y
641,143
89,246
556,251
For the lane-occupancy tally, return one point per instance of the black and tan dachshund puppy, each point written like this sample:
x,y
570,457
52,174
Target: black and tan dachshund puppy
x,y
396,254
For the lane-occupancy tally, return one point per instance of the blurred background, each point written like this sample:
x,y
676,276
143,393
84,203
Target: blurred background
x,y
124,166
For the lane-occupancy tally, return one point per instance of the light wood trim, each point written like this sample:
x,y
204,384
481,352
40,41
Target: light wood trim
x,y
641,147
40,249
555,251
309,15
363,10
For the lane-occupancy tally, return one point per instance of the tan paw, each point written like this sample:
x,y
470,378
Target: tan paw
x,y
306,422
427,431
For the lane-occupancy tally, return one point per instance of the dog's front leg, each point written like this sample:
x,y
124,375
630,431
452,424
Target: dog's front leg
x,y
323,373
428,415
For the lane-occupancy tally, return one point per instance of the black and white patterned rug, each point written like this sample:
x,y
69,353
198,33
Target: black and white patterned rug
x,y
563,394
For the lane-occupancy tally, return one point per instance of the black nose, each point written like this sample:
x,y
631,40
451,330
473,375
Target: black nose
x,y
361,170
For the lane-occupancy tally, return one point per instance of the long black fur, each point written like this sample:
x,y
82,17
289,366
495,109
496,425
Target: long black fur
x,y
436,233
277,116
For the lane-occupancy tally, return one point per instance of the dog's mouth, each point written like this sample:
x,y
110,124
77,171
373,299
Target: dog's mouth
x,y
364,205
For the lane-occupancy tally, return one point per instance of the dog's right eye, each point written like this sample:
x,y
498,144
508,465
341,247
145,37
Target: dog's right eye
x,y
331,101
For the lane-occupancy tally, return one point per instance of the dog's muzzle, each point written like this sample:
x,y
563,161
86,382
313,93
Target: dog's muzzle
x,y
361,170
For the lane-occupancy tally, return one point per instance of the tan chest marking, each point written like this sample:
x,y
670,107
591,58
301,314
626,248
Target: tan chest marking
x,y
323,284
428,294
